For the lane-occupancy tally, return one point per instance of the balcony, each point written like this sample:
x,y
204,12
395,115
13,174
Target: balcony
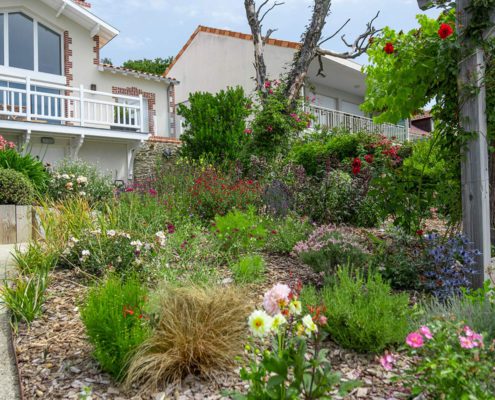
x,y
331,119
27,100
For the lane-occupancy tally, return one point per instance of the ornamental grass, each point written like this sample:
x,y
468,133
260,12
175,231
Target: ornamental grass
x,y
199,331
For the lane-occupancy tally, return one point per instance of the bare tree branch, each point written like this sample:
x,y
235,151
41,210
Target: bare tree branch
x,y
270,9
268,34
334,34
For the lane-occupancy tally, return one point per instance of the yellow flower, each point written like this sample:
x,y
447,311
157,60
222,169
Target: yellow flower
x,y
309,324
278,321
260,323
295,307
299,330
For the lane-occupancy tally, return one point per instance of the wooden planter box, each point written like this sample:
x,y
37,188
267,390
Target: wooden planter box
x,y
16,224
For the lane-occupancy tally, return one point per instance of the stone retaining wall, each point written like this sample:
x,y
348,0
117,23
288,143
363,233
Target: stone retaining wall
x,y
150,154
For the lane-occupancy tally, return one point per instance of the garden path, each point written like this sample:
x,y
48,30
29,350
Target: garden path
x,y
9,384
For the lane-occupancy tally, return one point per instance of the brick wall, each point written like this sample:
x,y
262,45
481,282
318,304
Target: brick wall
x,y
96,50
82,3
69,77
150,155
172,112
148,96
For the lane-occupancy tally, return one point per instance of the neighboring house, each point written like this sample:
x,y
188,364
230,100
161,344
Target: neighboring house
x,y
421,125
56,99
214,59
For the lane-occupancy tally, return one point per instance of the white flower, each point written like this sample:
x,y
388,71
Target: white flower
x,y
124,234
65,176
82,193
111,233
81,180
96,232
295,307
137,243
161,238
85,253
309,324
278,321
260,323
72,239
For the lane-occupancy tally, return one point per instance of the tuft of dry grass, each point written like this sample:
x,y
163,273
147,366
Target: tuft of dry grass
x,y
199,331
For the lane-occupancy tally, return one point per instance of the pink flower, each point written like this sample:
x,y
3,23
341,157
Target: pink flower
x,y
276,298
322,320
269,129
268,84
248,131
466,342
468,331
387,361
425,331
152,192
415,340
129,189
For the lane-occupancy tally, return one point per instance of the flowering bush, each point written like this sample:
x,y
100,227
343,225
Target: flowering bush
x,y
77,178
287,360
451,362
98,252
214,193
328,247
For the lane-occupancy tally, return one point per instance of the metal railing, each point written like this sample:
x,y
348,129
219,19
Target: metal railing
x,y
32,101
334,119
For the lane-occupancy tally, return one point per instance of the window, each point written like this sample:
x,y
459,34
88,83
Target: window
x,y
21,41
49,57
2,60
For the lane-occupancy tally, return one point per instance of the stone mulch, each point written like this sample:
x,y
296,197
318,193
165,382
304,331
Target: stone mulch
x,y
55,358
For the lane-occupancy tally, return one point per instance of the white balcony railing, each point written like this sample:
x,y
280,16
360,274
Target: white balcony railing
x,y
32,101
331,119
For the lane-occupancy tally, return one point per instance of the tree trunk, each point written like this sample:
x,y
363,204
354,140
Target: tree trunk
x,y
492,192
259,60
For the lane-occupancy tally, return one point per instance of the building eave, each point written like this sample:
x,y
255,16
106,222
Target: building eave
x,y
136,74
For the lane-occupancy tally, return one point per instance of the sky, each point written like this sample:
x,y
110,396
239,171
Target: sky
x,y
159,28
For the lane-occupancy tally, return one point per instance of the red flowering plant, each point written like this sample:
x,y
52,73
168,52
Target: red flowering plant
x,y
215,193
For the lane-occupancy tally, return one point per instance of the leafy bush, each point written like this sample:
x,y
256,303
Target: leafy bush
x,y
24,296
286,233
33,169
214,125
452,362
239,232
15,188
363,314
198,331
115,322
77,178
326,248
214,193
35,259
249,269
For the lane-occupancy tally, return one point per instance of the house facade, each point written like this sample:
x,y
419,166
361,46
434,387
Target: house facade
x,y
214,59
58,101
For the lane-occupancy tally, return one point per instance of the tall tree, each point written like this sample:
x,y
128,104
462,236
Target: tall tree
x,y
156,66
310,43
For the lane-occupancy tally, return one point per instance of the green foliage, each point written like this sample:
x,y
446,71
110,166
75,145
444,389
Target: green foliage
x,y
36,259
80,179
286,233
156,66
239,232
24,296
363,314
215,125
15,188
445,369
326,248
249,269
115,322
27,165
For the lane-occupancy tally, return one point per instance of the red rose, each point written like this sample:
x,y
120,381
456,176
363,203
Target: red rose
x,y
445,31
369,158
248,131
420,232
389,48
356,166
171,228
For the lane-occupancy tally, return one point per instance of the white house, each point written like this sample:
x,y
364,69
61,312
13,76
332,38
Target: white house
x,y
58,101
214,59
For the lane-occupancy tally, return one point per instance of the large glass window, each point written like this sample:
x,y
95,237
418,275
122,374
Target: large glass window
x,y
2,61
21,41
49,52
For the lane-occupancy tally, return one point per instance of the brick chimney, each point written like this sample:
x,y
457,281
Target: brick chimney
x,y
83,3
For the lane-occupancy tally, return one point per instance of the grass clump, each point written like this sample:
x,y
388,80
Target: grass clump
x,y
249,269
363,314
199,331
115,322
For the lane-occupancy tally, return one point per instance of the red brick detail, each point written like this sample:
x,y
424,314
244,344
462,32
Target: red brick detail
x,y
96,50
82,3
161,139
150,97
69,77
172,112
236,35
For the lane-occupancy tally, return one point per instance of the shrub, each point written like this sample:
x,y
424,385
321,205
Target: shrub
x,y
214,193
363,314
286,233
77,178
215,125
24,296
36,259
199,331
115,322
326,248
452,362
239,232
249,269
33,169
15,188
